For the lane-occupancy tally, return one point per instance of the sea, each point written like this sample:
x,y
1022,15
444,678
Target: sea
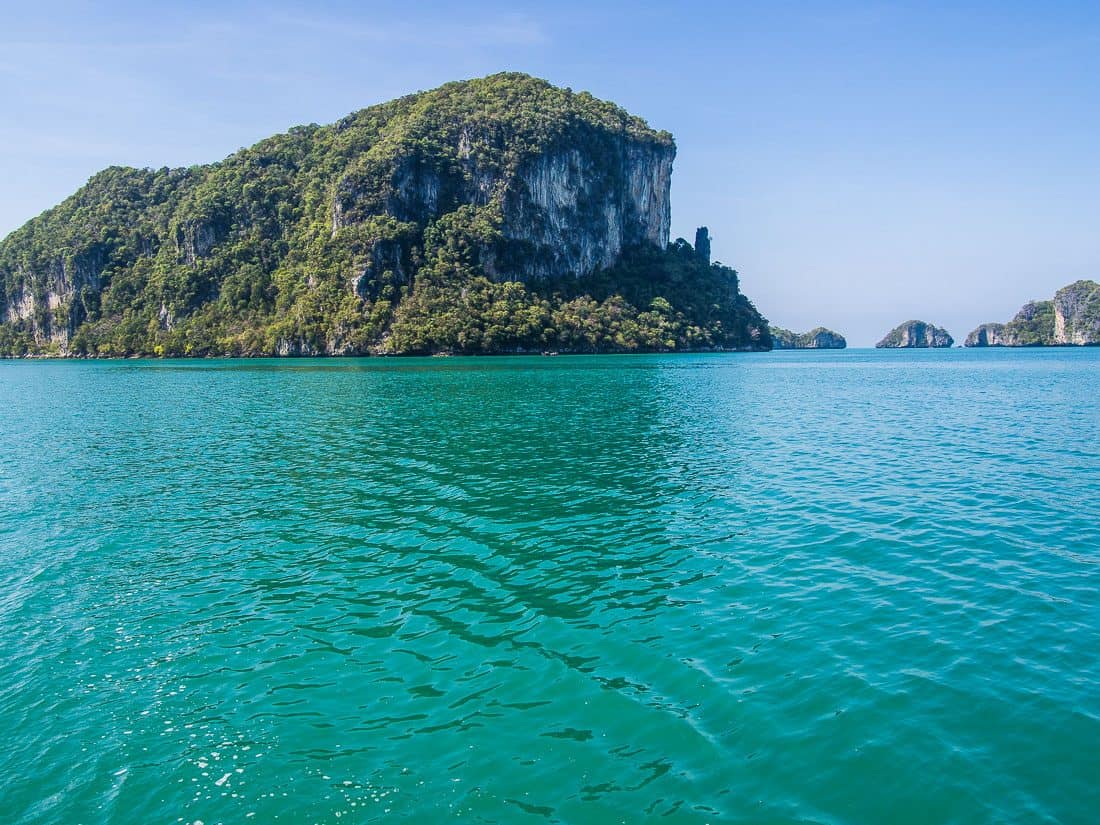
x,y
830,587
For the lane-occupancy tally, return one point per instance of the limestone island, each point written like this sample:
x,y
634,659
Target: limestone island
x,y
817,338
1072,318
916,334
494,215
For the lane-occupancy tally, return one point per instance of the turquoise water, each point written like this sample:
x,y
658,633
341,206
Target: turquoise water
x,y
833,587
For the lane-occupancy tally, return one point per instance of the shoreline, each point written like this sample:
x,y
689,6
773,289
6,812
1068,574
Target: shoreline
x,y
334,356
526,353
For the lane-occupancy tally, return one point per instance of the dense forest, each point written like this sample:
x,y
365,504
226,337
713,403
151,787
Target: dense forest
x,y
474,218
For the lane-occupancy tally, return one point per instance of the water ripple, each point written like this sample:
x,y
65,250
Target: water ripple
x,y
797,587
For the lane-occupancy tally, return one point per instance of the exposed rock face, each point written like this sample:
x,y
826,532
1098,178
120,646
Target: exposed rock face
x,y
918,334
1077,314
52,300
987,335
817,338
562,214
566,211
821,338
1071,319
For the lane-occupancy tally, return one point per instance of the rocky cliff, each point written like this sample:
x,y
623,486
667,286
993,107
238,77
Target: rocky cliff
x,y
817,338
986,335
1077,314
1072,318
916,334
471,218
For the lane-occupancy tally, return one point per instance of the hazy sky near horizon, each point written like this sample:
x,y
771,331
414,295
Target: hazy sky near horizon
x,y
860,163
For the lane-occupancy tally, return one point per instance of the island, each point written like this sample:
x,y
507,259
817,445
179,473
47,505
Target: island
x,y
495,215
1072,318
817,338
916,334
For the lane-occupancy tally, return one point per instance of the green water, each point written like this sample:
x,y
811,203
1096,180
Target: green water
x,y
822,587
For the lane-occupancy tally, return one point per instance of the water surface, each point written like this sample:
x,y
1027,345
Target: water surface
x,y
831,587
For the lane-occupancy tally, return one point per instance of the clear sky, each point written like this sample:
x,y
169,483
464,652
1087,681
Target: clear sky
x,y
859,163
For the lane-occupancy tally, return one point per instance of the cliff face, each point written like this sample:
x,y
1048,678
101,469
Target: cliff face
x,y
918,334
1077,314
570,209
564,214
49,300
1071,319
477,217
987,335
817,338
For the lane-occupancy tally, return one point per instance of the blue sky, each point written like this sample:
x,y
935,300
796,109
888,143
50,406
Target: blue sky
x,y
859,163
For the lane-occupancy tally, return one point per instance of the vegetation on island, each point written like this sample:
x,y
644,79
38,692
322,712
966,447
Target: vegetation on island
x,y
916,334
391,231
1033,325
816,338
1071,318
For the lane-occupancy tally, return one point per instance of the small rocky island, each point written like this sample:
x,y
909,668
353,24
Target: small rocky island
x,y
817,338
1072,318
916,334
